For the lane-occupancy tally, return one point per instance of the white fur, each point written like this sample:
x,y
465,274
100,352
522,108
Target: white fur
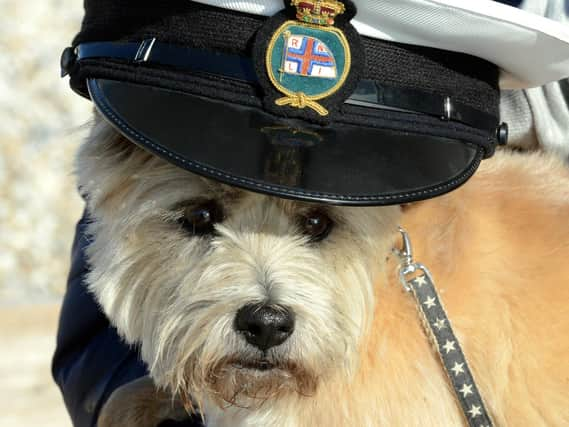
x,y
176,295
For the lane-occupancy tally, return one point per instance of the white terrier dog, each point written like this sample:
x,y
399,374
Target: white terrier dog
x,y
259,311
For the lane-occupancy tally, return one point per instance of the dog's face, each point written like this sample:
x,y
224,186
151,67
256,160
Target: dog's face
x,y
232,296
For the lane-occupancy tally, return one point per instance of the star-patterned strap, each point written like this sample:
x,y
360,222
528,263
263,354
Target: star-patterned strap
x,y
439,330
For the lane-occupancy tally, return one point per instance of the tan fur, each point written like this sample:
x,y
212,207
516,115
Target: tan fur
x,y
497,248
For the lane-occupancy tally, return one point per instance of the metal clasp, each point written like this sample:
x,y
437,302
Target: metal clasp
x,y
407,265
447,108
144,50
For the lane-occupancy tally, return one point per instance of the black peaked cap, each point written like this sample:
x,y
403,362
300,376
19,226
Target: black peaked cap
x,y
384,144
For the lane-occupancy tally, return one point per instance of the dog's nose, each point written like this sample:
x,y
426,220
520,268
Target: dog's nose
x,y
264,326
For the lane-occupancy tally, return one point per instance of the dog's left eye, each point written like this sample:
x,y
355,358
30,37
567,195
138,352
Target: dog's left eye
x,y
316,225
200,219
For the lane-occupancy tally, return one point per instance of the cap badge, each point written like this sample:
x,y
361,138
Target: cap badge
x,y
309,59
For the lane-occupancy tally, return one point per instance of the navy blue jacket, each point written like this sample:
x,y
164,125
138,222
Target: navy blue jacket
x,y
90,360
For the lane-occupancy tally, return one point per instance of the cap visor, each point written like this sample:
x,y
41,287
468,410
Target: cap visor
x,y
249,148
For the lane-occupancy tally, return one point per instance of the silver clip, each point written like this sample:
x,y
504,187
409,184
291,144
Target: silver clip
x,y
408,265
144,50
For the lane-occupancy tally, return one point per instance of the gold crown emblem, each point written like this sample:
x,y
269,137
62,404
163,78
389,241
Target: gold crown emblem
x,y
320,12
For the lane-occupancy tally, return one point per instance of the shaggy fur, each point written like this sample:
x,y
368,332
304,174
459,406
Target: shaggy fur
x,y
358,356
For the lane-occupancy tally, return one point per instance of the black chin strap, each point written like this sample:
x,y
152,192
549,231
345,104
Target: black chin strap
x,y
368,94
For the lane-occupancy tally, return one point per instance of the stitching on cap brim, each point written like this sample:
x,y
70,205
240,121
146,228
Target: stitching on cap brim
x,y
132,134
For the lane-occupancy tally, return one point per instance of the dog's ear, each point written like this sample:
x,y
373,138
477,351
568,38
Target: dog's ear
x,y
105,144
106,162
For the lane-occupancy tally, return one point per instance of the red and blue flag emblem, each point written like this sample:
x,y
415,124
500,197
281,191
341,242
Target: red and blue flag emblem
x,y
307,63
308,56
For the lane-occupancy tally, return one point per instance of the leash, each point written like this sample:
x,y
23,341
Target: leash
x,y
417,280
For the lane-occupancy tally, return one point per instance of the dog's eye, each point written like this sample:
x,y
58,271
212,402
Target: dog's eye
x,y
201,218
316,225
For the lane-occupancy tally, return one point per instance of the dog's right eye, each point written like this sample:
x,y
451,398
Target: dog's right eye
x,y
200,219
316,225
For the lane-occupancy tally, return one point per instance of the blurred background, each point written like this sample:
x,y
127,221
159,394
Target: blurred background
x,y
41,124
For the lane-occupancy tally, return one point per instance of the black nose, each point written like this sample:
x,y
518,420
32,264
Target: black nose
x,y
264,326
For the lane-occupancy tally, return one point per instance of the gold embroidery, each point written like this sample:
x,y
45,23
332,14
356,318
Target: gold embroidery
x,y
300,100
320,12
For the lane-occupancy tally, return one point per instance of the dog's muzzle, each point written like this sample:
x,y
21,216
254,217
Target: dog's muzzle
x,y
264,326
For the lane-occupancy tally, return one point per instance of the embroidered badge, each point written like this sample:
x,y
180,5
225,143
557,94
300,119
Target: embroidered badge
x,y
309,59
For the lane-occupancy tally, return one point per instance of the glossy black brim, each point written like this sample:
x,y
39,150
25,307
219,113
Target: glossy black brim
x,y
249,148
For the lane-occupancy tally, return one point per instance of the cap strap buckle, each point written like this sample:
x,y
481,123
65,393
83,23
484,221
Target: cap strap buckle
x,y
144,51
